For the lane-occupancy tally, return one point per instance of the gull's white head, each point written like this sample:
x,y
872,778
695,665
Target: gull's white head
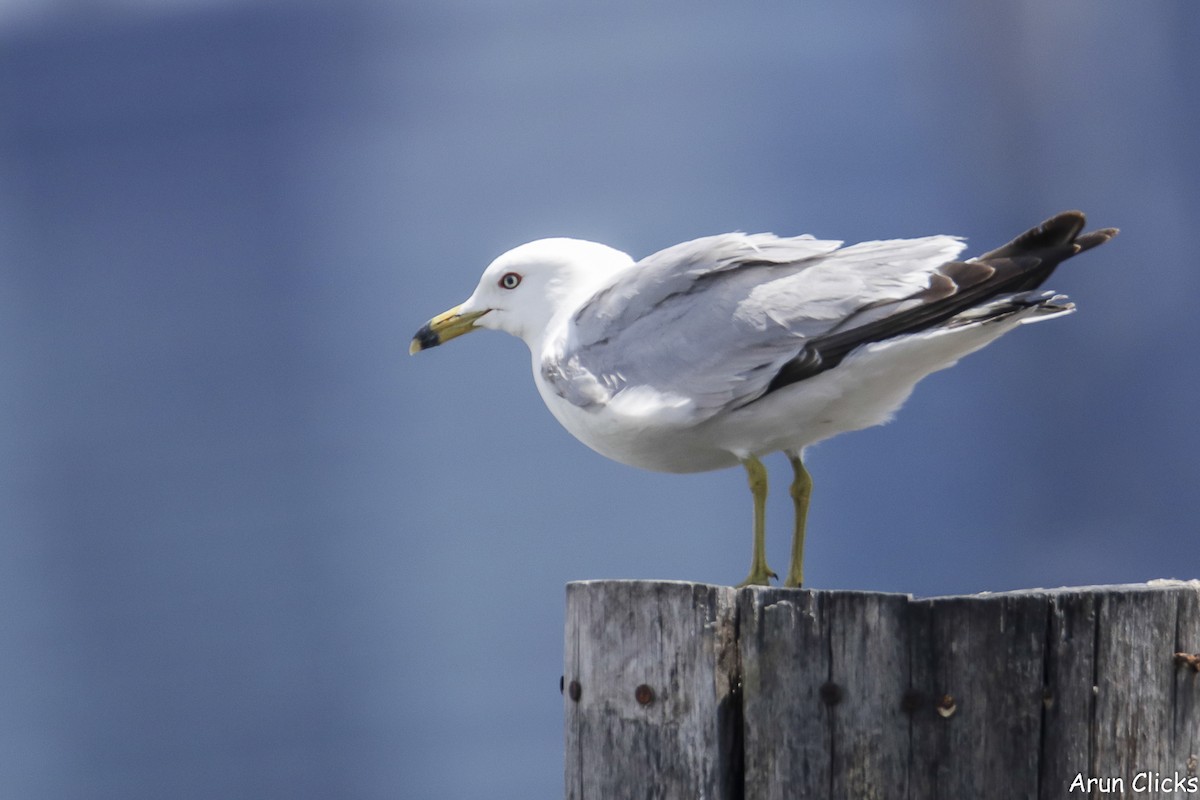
x,y
522,291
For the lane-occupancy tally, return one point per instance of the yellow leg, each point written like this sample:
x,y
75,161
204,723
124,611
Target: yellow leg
x,y
760,573
801,491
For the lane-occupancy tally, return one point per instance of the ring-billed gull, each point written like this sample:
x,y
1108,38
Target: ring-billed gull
x,y
721,350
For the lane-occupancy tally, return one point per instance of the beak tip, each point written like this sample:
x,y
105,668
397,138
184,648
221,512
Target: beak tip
x,y
424,339
443,328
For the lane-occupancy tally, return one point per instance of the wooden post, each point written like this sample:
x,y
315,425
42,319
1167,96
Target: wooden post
x,y
649,684
678,690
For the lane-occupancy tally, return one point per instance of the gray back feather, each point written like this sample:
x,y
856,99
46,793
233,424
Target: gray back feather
x,y
709,322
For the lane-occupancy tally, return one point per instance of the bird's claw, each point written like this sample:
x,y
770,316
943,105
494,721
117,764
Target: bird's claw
x,y
759,576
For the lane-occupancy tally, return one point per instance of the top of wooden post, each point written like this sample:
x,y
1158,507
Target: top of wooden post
x,y
691,690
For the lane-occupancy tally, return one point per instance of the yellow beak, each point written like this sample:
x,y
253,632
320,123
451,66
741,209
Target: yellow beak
x,y
443,328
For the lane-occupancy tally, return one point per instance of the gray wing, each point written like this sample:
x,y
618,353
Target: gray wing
x,y
708,325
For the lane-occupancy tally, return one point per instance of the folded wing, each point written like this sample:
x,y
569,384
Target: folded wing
x,y
717,323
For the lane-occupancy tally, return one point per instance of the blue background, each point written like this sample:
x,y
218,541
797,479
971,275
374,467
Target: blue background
x,y
250,549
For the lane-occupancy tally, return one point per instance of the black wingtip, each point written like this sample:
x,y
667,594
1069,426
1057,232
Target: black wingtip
x,y
1014,271
1055,240
1059,229
1095,238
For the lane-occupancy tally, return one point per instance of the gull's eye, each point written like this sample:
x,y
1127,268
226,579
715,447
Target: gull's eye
x,y
510,280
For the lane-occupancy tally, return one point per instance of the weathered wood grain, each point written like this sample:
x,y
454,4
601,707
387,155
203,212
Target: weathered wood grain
x,y
977,676
650,691
823,674
778,693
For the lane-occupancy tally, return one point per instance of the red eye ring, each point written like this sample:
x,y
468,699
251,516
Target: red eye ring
x,y
509,280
